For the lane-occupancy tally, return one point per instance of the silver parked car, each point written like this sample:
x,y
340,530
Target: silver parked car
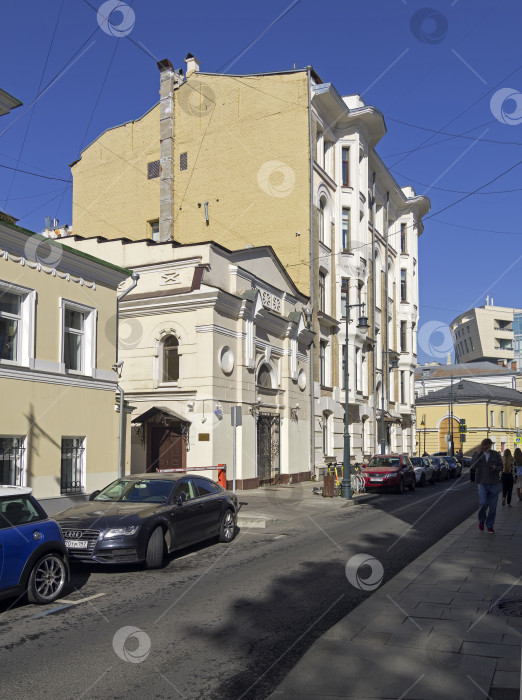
x,y
425,472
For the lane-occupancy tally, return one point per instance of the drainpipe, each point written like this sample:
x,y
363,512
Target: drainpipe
x,y
312,347
118,365
374,300
487,419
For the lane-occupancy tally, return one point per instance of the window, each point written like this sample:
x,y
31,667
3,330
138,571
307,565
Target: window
x,y
345,295
326,434
346,226
20,511
12,453
322,292
205,487
322,362
403,387
403,336
10,324
322,204
153,170
78,338
358,369
183,161
170,359
266,377
17,312
403,285
345,167
502,419
492,418
154,230
403,238
73,340
73,465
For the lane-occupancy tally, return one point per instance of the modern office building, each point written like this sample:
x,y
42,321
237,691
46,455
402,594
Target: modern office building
x,y
488,333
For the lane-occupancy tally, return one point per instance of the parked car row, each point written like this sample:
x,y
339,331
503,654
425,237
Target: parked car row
x,y
135,519
399,471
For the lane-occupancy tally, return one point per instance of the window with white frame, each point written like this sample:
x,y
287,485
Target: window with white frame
x,y
78,354
322,207
170,359
403,386
326,433
322,291
12,460
492,418
17,310
346,225
345,167
358,370
322,362
502,419
72,478
404,290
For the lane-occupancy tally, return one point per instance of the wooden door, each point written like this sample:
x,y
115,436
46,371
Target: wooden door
x,y
167,448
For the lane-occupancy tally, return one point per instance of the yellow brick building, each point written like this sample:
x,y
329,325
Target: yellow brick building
x,y
488,411
281,159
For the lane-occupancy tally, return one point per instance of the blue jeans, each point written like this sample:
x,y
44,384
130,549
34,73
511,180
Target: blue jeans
x,y
488,497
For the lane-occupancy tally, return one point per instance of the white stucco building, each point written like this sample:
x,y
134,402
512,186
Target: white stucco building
x,y
205,330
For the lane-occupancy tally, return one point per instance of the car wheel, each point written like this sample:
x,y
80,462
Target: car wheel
x,y
227,530
155,550
47,579
413,484
400,487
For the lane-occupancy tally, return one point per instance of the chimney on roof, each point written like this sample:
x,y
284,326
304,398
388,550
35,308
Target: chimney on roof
x,y
192,64
170,81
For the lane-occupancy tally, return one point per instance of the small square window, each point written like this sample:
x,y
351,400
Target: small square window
x,y
183,161
154,229
153,169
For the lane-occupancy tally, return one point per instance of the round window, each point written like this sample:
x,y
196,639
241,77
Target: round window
x,y
301,379
226,359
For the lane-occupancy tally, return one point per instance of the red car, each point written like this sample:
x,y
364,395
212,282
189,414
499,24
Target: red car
x,y
389,472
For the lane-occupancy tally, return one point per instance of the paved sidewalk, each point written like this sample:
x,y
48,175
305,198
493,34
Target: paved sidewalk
x,y
268,505
427,633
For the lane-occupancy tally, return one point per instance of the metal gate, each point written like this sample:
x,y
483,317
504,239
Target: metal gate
x,y
268,448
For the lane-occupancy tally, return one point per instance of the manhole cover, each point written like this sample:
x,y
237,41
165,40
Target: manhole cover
x,y
509,607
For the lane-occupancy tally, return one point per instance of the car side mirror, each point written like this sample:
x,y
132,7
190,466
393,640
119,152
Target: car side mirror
x,y
181,499
93,495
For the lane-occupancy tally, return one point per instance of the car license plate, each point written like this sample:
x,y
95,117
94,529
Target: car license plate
x,y
76,544
376,478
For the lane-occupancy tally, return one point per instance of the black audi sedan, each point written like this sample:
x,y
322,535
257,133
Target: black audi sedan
x,y
142,517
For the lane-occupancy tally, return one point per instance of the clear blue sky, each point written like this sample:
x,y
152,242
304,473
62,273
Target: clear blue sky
x,y
437,68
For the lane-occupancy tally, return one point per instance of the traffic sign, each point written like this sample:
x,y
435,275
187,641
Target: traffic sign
x,y
518,441
463,428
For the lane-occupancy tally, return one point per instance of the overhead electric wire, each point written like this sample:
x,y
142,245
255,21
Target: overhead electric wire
x,y
501,82
33,109
480,230
28,172
444,189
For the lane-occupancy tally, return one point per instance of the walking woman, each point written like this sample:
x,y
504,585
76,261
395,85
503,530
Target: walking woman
x,y
518,471
507,478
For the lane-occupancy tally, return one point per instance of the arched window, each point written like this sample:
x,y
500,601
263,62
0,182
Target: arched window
x,y
170,359
322,207
264,377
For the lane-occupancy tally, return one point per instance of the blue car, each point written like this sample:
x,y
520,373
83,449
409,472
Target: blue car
x,y
33,556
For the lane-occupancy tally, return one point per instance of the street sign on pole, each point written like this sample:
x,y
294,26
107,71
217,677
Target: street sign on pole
x,y
518,441
463,428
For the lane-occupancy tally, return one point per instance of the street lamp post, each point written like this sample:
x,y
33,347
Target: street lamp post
x,y
346,486
450,447
394,363
423,425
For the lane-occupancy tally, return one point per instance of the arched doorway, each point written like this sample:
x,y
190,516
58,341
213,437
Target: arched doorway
x,y
444,429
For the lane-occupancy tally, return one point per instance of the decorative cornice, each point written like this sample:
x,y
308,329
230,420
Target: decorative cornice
x,y
43,268
29,375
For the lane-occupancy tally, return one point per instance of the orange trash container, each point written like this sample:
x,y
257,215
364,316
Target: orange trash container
x,y
222,475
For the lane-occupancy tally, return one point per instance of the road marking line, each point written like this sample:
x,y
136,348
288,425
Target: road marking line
x,y
68,604
84,600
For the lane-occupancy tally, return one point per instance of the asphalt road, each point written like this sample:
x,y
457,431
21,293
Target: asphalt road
x,y
218,621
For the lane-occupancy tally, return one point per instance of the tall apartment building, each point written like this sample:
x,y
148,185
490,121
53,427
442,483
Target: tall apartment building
x,y
491,333
281,159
